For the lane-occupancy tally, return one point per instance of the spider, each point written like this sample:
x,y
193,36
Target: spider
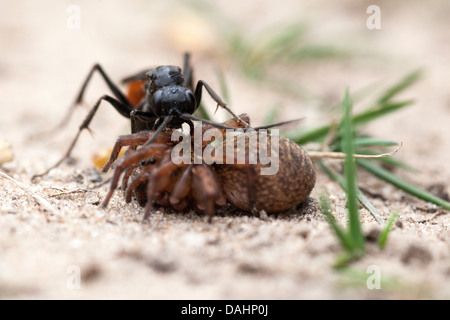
x,y
157,178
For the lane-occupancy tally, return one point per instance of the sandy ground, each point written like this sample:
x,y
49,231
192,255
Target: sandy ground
x,y
67,247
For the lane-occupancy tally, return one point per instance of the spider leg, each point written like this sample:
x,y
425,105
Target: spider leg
x,y
143,177
160,179
182,187
134,139
206,190
132,159
126,176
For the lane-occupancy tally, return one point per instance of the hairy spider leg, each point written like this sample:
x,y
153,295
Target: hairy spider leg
x,y
132,159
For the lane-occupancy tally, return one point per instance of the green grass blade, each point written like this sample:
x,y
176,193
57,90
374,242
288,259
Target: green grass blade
x,y
313,135
338,230
347,132
315,52
402,184
361,197
370,141
319,133
344,258
387,229
283,41
379,111
350,254
407,81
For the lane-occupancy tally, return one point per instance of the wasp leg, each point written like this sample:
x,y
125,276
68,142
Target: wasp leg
x,y
118,105
214,96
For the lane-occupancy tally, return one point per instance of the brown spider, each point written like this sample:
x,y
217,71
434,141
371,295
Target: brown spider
x,y
157,178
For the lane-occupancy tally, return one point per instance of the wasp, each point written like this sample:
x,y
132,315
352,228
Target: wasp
x,y
159,98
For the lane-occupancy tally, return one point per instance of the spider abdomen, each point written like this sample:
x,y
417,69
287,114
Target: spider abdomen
x,y
247,188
